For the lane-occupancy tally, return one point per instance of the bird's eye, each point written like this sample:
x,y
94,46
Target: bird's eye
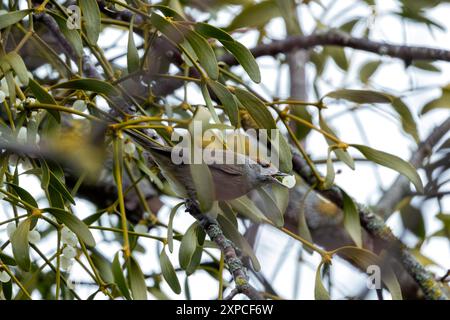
x,y
265,165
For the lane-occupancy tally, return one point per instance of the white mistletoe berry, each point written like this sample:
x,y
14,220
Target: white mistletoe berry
x,y
69,252
4,276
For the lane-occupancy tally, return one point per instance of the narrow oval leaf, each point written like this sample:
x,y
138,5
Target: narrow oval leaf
x,y
24,195
11,18
8,260
72,35
209,31
169,273
170,225
16,62
137,280
88,84
74,224
61,188
167,28
91,18
204,52
392,162
342,155
368,70
246,207
256,15
245,59
119,278
271,209
132,52
256,108
440,103
338,55
359,96
351,219
227,100
187,246
320,293
408,123
329,178
231,232
364,258
204,186
20,245
43,97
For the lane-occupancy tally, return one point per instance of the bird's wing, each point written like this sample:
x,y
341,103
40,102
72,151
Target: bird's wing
x,y
232,169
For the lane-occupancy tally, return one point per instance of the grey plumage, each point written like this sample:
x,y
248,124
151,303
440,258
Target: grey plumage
x,y
230,181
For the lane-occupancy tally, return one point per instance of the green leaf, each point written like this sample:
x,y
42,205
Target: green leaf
x,y
209,31
204,186
93,218
364,258
393,162
91,18
24,195
20,245
44,97
16,62
329,178
132,53
425,65
167,28
88,84
246,207
443,102
72,35
187,246
169,273
231,232
245,59
195,261
103,266
341,154
8,260
169,12
74,224
256,15
284,152
351,219
368,70
11,18
170,225
360,96
61,188
338,56
137,280
227,100
204,52
271,209
406,118
119,278
320,293
256,108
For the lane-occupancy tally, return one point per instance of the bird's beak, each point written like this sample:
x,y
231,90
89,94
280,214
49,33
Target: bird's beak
x,y
280,174
284,179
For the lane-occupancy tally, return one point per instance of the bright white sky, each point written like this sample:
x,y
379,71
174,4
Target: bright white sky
x,y
381,132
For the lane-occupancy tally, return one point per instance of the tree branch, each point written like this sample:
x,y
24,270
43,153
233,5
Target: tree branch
x,y
375,225
400,188
234,263
338,38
